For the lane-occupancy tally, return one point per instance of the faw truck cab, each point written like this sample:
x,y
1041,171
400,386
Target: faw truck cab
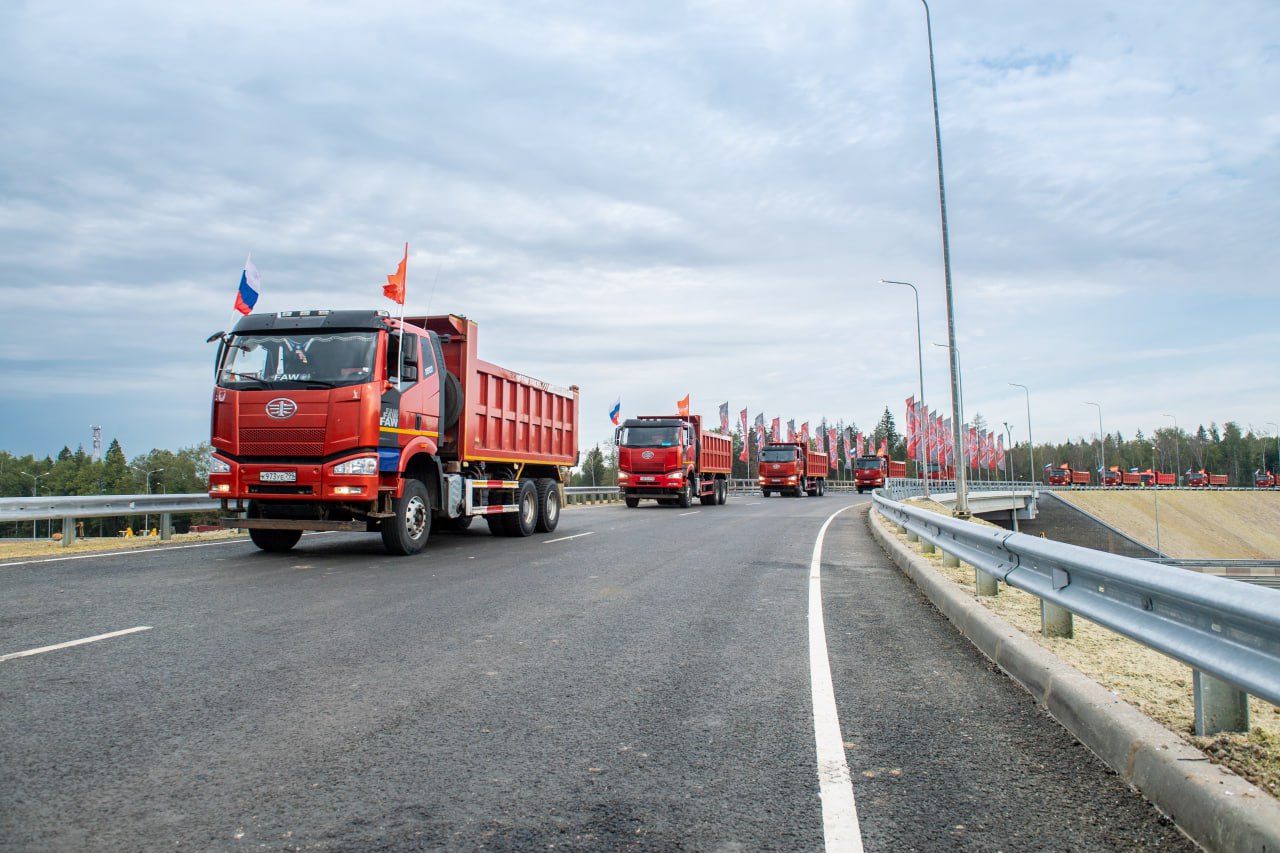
x,y
670,459
355,420
790,468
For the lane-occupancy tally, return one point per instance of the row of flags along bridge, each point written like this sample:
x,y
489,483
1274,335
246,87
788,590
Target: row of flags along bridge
x,y
930,439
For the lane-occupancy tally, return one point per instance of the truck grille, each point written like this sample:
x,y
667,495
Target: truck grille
x,y
281,442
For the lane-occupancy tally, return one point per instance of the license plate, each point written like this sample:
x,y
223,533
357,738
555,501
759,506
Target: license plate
x,y
278,477
646,479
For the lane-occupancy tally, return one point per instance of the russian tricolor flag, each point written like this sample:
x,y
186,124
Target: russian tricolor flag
x,y
613,413
250,285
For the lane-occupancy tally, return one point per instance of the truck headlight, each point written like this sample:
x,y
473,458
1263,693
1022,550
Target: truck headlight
x,y
217,466
365,466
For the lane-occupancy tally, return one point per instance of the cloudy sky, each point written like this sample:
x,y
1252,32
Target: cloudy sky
x,y
652,199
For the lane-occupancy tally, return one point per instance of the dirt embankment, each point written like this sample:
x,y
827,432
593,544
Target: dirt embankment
x,y
1217,525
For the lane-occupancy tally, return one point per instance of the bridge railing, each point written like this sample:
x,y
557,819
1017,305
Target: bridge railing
x,y
1228,633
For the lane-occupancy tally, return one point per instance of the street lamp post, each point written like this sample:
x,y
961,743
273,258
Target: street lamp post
x,y
1031,444
1264,457
146,518
35,492
920,369
1155,491
1102,440
1177,452
962,495
1008,470
961,455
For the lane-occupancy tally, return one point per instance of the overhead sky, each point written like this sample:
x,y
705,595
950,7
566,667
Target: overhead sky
x,y
653,199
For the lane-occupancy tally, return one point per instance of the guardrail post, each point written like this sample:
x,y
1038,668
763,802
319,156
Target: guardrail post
x,y
912,536
1056,621
68,531
951,561
166,528
984,583
926,547
1220,707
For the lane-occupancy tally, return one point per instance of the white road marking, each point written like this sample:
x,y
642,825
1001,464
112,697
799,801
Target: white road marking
x,y
67,645
567,538
695,512
835,785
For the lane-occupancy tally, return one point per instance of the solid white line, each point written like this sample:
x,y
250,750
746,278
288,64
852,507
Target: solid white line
x,y
695,512
835,785
567,538
43,649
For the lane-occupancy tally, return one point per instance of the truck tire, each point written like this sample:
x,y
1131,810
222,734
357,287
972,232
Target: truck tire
x,y
524,520
722,492
685,499
407,532
631,502
452,400
710,500
274,540
548,504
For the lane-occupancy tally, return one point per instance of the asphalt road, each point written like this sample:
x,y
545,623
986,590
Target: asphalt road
x,y
644,685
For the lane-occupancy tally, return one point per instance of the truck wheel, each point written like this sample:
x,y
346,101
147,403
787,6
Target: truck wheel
x,y
274,540
822,488
709,500
722,492
548,504
523,521
631,502
407,532
685,499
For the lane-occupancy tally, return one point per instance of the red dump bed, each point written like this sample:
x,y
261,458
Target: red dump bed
x,y
897,469
1080,478
506,416
1217,479
819,464
717,454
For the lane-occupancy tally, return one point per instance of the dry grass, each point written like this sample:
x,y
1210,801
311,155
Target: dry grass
x,y
1154,684
15,549
1218,525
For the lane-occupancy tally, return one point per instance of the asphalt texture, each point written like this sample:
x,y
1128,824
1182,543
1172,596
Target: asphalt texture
x,y
644,686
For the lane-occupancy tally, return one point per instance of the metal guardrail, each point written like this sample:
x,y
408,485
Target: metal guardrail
x,y
101,506
1221,629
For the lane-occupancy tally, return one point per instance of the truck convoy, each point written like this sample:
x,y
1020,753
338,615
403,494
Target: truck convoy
x,y
354,420
870,472
791,468
672,460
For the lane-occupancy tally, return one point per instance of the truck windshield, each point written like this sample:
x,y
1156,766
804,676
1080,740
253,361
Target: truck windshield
x,y
778,454
868,464
298,360
647,436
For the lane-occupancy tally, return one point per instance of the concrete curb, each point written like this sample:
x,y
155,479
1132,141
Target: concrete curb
x,y
1217,809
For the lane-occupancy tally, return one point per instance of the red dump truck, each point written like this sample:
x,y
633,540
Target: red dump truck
x,y
671,459
1264,480
870,472
791,468
1203,479
355,420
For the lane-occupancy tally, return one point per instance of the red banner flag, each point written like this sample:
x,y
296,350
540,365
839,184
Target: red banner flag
x,y
682,406
395,286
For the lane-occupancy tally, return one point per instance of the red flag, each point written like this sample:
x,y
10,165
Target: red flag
x,y
682,406
395,286
743,455
776,430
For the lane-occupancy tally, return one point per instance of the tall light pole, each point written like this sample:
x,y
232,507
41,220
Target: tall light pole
x,y
962,495
961,454
1008,471
146,518
1102,440
1177,452
920,369
1031,444
1155,491
35,492
1264,457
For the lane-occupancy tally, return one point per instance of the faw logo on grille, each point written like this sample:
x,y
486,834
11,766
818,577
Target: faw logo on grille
x,y
775,466
648,454
281,408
